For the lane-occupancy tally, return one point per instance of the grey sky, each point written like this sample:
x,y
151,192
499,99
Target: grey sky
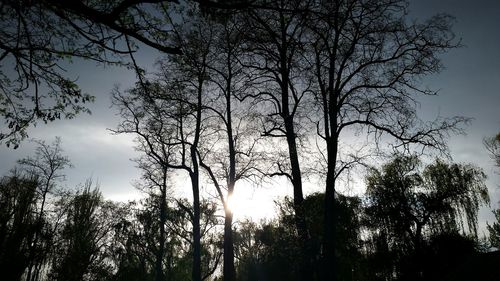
x,y
469,86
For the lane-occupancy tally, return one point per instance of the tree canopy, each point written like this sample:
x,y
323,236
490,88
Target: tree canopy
x,y
243,90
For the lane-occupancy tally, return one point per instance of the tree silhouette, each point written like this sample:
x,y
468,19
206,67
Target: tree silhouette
x,y
38,37
46,165
231,150
136,241
493,146
153,138
313,70
86,230
18,224
407,206
494,230
268,251
168,118
35,43
273,57
162,125
366,61
29,191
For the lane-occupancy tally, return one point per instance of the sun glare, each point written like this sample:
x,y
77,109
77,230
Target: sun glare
x,y
230,202
248,203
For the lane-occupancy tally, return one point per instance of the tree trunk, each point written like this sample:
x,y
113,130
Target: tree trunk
x,y
163,217
229,269
195,183
330,216
196,270
305,270
330,223
298,196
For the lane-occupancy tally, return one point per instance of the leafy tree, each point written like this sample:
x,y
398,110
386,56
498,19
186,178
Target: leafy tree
x,y
493,146
46,165
35,43
39,37
18,223
494,230
86,232
136,242
407,205
269,251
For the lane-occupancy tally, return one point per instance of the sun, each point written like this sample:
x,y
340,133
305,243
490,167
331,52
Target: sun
x,y
250,202
230,202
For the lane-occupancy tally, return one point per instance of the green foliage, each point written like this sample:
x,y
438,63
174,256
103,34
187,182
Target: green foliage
x,y
493,146
136,241
85,233
445,253
442,195
494,230
37,43
406,206
270,251
18,224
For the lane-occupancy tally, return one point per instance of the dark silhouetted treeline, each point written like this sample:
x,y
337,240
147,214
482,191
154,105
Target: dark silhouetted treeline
x,y
415,222
307,91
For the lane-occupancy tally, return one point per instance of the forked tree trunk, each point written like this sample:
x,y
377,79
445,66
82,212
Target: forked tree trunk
x,y
305,270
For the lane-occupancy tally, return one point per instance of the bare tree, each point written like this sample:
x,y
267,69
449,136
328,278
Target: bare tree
x,y
168,117
38,37
46,165
274,56
367,60
155,168
233,152
157,134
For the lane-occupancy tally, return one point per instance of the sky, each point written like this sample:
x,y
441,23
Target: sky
x,y
468,86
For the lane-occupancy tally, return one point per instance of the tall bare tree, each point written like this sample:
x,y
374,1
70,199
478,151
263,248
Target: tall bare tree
x,y
168,116
234,153
158,123
274,50
367,60
47,166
